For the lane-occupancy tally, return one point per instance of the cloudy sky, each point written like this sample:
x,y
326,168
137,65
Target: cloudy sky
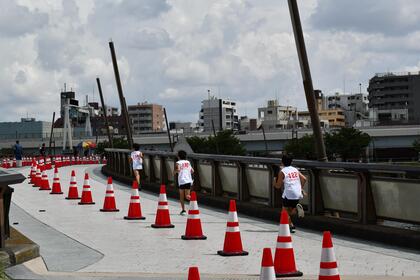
x,y
170,52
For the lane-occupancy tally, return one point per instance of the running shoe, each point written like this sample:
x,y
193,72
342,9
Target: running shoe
x,y
183,213
292,229
300,211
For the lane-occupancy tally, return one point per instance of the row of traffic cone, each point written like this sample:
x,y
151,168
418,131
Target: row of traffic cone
x,y
328,266
284,261
134,211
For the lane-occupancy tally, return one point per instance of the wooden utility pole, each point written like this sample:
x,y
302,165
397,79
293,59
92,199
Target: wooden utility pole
x,y
124,111
307,80
167,128
51,135
104,111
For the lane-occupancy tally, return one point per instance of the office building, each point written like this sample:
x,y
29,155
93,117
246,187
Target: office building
x,y
394,98
26,128
333,117
220,113
248,124
275,116
146,117
354,106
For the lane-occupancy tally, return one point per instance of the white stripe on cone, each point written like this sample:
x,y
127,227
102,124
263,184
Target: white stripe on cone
x,y
328,271
284,245
267,273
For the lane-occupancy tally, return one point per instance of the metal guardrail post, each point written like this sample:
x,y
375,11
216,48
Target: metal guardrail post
x,y
365,204
316,203
275,194
126,165
216,189
197,182
152,173
113,159
120,163
163,171
243,188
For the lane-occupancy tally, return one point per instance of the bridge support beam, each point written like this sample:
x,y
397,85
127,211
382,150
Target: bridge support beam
x,y
365,203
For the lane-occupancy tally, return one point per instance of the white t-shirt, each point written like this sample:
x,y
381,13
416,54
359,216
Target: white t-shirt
x,y
184,175
291,182
137,160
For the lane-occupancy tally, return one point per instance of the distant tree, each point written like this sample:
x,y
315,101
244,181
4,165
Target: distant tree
x,y
198,144
118,142
225,143
6,152
303,148
348,143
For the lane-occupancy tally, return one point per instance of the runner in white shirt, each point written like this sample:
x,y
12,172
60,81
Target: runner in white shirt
x,y
136,159
292,181
184,170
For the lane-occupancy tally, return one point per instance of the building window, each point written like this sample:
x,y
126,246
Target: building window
x,y
269,112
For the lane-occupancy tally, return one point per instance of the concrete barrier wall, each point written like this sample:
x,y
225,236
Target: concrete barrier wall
x,y
363,192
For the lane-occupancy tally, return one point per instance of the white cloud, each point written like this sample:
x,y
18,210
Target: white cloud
x,y
170,52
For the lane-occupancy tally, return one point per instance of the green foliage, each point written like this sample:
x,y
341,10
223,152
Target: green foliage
x,y
224,143
6,152
347,143
118,142
416,145
303,148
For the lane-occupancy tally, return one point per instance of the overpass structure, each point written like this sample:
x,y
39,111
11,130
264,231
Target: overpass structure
x,y
382,138
80,242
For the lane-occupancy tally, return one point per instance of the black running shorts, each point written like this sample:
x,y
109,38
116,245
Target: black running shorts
x,y
185,186
291,203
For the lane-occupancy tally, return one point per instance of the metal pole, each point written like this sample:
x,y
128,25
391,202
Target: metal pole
x,y
214,130
105,116
215,137
51,134
307,80
121,95
167,129
265,140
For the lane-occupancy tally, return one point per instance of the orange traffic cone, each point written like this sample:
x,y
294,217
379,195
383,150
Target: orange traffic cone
x,y
233,242
32,174
109,202
328,267
267,266
193,273
73,192
284,259
193,229
45,184
38,178
163,218
56,186
86,193
134,210
48,163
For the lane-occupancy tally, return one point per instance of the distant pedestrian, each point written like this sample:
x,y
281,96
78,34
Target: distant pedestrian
x,y
136,159
42,151
17,151
184,170
292,182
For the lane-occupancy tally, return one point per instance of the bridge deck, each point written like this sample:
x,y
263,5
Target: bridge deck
x,y
79,241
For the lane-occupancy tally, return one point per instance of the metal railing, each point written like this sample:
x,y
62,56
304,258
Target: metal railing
x,y
366,193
